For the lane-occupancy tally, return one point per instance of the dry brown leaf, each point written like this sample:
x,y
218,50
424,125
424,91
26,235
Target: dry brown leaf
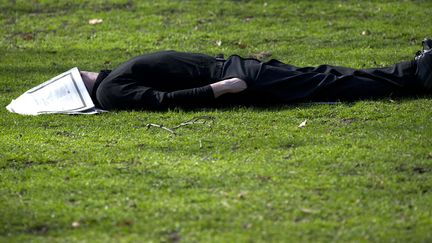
x,y
28,36
303,124
241,45
95,21
308,210
241,195
366,32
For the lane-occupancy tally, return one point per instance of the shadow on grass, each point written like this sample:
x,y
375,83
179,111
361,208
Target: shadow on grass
x,y
294,105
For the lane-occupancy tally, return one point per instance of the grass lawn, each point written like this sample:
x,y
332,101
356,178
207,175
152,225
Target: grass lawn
x,y
356,172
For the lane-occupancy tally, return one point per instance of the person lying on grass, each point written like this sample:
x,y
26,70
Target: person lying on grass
x,y
176,79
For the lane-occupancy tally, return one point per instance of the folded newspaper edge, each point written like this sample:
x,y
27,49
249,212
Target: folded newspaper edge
x,y
64,94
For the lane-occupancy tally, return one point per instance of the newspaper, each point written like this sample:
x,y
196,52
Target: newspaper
x,y
64,94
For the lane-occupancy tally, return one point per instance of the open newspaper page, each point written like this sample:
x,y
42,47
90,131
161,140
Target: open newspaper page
x,y
65,94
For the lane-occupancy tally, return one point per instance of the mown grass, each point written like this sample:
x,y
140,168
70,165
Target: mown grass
x,y
357,172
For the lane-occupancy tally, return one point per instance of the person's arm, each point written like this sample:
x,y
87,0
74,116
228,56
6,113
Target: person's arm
x,y
196,96
125,94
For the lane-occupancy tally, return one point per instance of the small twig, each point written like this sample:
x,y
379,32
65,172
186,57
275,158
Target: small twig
x,y
148,125
195,120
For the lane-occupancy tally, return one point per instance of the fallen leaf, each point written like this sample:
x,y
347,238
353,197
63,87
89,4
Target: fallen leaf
x,y
241,45
28,36
95,21
366,32
241,195
307,210
125,223
248,18
303,124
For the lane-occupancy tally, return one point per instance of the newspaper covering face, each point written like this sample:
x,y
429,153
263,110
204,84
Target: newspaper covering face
x,y
64,94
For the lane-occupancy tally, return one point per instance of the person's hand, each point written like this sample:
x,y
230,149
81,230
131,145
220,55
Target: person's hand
x,y
232,85
235,85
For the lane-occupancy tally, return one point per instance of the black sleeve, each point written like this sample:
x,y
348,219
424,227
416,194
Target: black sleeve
x,y
194,97
122,93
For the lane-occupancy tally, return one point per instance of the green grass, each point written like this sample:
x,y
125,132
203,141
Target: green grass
x,y
357,172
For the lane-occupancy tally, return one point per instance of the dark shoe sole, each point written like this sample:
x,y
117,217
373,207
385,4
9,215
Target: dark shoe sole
x,y
424,69
427,44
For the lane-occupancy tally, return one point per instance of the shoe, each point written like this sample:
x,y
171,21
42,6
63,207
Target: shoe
x,y
424,64
427,46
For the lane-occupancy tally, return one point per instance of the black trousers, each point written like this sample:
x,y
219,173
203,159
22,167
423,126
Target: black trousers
x,y
278,82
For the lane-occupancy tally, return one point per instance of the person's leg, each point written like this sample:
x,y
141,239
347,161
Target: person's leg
x,y
288,83
330,69
394,81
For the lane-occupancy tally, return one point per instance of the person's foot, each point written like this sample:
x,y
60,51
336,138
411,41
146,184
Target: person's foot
x,y
427,46
424,64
